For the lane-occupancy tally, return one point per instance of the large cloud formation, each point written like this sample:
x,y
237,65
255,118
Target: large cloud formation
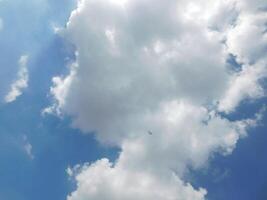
x,y
160,67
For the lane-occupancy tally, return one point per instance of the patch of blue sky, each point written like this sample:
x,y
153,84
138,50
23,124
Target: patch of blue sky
x,y
55,145
241,175
27,29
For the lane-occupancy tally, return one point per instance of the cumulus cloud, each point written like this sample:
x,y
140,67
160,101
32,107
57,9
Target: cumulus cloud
x,y
159,66
21,81
247,40
103,181
244,85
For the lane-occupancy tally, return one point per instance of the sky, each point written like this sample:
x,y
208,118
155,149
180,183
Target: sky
x,y
133,100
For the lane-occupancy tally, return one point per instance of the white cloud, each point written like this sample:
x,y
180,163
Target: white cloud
x,y
157,162
140,69
27,147
103,181
147,69
247,40
244,85
21,82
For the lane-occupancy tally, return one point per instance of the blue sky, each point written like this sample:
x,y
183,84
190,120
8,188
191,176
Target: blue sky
x,y
241,175
104,82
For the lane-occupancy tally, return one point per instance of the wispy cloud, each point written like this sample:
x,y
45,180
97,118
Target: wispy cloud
x,y
21,81
27,147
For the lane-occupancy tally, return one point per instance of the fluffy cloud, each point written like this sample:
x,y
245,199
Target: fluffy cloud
x,y
160,67
103,181
21,82
131,69
247,40
244,85
152,166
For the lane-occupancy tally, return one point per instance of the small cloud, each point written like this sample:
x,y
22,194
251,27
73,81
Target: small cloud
x,y
21,82
74,171
47,110
27,147
69,171
56,28
220,174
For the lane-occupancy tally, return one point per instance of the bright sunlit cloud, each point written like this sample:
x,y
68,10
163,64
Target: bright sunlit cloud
x,y
159,67
132,99
121,3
